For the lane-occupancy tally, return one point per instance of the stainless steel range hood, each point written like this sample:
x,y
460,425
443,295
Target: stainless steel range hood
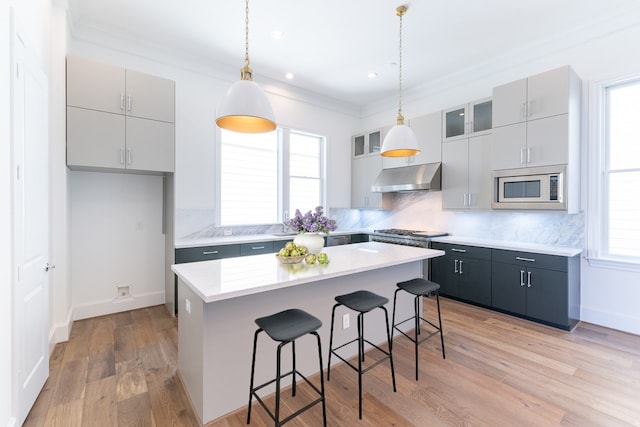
x,y
408,178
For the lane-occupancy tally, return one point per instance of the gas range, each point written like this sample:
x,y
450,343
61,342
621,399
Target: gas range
x,y
418,238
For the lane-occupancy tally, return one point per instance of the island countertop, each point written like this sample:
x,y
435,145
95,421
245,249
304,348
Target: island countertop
x,y
227,278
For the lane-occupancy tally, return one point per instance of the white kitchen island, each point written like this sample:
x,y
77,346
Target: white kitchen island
x,y
219,301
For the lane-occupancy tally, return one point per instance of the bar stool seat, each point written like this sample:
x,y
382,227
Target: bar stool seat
x,y
419,287
285,327
361,302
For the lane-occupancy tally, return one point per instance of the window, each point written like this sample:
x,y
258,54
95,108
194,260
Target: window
x,y
621,172
265,177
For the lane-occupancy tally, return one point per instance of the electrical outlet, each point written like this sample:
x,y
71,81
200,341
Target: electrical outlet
x,y
228,232
187,305
345,321
123,291
139,225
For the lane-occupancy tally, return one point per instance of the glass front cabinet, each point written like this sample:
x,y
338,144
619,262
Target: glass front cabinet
x,y
467,120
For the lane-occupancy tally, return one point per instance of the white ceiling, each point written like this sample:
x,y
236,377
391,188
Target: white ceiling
x,y
331,45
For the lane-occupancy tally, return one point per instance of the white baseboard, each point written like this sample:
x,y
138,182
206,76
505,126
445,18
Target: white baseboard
x,y
101,308
611,320
60,332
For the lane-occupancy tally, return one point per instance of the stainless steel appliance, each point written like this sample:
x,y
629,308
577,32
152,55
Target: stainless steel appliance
x,y
530,188
421,239
418,238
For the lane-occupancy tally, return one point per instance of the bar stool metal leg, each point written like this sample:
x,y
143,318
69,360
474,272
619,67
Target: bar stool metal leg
x,y
420,288
362,302
285,327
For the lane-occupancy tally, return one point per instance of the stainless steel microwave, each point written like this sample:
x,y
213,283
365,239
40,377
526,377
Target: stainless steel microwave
x,y
530,188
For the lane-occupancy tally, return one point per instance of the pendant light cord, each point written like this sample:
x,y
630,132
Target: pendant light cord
x,y
246,33
400,13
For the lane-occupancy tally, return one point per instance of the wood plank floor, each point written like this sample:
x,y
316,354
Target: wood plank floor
x,y
120,370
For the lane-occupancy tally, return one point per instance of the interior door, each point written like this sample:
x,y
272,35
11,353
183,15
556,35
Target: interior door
x,y
31,213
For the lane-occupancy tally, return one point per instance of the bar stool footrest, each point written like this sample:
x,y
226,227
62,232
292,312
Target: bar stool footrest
x,y
299,411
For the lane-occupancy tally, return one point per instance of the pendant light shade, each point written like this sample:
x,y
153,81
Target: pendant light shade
x,y
400,141
245,108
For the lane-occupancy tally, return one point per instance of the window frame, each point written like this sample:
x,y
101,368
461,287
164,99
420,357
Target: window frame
x,y
598,179
283,193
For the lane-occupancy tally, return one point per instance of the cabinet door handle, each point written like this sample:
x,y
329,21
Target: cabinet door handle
x,y
209,252
523,110
458,250
128,156
255,248
129,102
521,277
121,101
122,155
528,279
529,108
528,155
460,266
455,266
519,258
522,156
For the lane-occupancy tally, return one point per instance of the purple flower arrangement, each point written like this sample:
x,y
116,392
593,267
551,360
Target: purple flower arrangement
x,y
311,222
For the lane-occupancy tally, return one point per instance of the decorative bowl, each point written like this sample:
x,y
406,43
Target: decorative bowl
x,y
290,259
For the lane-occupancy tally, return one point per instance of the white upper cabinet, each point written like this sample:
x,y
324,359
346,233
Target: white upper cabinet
x,y
118,119
543,95
112,89
536,121
467,120
364,171
366,143
466,173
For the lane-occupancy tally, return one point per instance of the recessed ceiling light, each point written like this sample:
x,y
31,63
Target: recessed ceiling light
x,y
372,75
277,34
289,76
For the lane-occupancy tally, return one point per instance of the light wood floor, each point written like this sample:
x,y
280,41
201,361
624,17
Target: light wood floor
x,y
120,370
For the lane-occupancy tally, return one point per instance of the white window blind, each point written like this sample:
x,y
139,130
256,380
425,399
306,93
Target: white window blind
x,y
264,178
622,172
305,167
248,178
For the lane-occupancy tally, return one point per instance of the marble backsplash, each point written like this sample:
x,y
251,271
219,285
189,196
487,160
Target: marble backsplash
x,y
418,210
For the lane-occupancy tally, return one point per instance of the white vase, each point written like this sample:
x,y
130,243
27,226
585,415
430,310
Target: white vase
x,y
314,242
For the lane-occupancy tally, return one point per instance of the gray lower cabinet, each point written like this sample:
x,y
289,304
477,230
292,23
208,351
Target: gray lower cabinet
x,y
206,253
545,288
464,272
539,287
256,248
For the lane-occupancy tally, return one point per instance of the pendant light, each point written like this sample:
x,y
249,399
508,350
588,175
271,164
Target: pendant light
x,y
400,141
245,108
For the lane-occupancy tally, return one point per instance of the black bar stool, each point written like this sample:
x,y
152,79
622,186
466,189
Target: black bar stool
x,y
362,302
286,326
420,288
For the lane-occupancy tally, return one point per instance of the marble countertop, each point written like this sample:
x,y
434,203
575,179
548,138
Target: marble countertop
x,y
247,238
510,245
228,278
